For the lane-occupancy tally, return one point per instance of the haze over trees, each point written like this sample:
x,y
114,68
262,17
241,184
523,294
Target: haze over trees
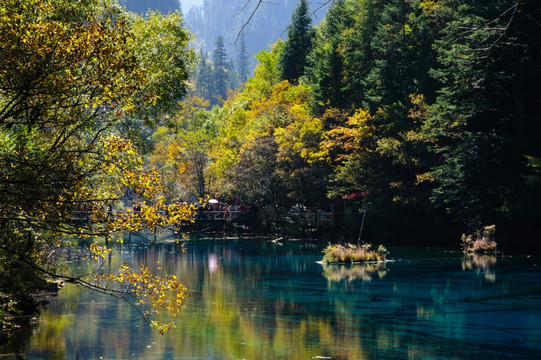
x,y
142,6
227,18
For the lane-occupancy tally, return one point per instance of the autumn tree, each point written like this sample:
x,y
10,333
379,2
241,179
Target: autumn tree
x,y
68,72
183,151
236,126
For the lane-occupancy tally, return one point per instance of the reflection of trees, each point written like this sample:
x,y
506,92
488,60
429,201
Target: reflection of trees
x,y
349,273
484,264
241,308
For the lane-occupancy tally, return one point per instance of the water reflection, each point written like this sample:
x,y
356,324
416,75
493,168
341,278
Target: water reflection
x,y
484,265
256,300
349,273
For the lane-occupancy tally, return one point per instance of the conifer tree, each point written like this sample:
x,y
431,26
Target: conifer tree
x,y
204,77
327,62
220,76
300,35
243,60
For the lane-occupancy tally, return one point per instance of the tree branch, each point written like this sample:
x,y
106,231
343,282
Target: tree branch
x,y
258,4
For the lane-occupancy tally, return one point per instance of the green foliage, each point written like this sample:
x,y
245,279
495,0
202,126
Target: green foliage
x,y
214,78
426,108
243,61
220,79
477,122
161,48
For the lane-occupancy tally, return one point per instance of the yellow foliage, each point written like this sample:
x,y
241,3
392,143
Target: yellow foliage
x,y
419,110
425,177
161,293
430,7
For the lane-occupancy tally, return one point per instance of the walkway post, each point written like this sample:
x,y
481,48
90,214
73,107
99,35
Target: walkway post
x,y
361,230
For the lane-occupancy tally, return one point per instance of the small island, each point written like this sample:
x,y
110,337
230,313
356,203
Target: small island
x,y
351,253
483,242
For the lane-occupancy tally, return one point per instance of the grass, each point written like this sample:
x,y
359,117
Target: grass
x,y
351,253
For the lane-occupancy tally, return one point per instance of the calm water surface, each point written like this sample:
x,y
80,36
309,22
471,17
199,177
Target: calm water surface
x,y
252,299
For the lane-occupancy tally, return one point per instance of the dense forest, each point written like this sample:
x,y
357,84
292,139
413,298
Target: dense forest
x,y
426,113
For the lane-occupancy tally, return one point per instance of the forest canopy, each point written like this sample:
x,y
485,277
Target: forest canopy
x,y
426,111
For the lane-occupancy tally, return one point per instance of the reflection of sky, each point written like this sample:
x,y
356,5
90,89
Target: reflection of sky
x,y
213,263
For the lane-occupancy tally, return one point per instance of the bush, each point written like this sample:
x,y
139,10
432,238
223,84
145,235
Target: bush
x,y
352,253
482,242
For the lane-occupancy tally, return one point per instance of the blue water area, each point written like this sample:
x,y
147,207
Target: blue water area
x,y
254,299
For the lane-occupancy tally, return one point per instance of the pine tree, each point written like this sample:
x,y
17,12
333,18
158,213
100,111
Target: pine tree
x,y
484,122
300,35
327,62
203,81
233,79
220,75
243,60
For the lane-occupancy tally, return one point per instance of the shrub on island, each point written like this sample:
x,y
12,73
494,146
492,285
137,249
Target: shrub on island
x,y
482,242
351,253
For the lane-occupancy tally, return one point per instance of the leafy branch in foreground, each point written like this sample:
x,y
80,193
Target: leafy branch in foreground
x,y
161,293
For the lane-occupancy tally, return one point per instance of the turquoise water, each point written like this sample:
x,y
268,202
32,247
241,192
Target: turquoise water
x,y
252,299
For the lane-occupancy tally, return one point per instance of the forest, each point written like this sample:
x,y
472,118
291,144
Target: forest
x,y
426,114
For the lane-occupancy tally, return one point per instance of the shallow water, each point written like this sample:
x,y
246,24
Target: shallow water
x,y
251,299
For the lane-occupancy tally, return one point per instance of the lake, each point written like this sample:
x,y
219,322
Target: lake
x,y
253,299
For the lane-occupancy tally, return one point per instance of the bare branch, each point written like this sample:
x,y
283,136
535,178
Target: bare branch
x,y
243,26
320,5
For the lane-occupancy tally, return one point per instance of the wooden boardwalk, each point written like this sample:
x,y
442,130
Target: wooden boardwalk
x,y
317,219
305,219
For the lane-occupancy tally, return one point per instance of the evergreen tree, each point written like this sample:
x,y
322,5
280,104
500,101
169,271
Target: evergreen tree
x,y
327,62
485,122
300,35
233,80
243,62
220,74
203,77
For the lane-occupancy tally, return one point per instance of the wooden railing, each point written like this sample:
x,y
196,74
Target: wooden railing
x,y
315,219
